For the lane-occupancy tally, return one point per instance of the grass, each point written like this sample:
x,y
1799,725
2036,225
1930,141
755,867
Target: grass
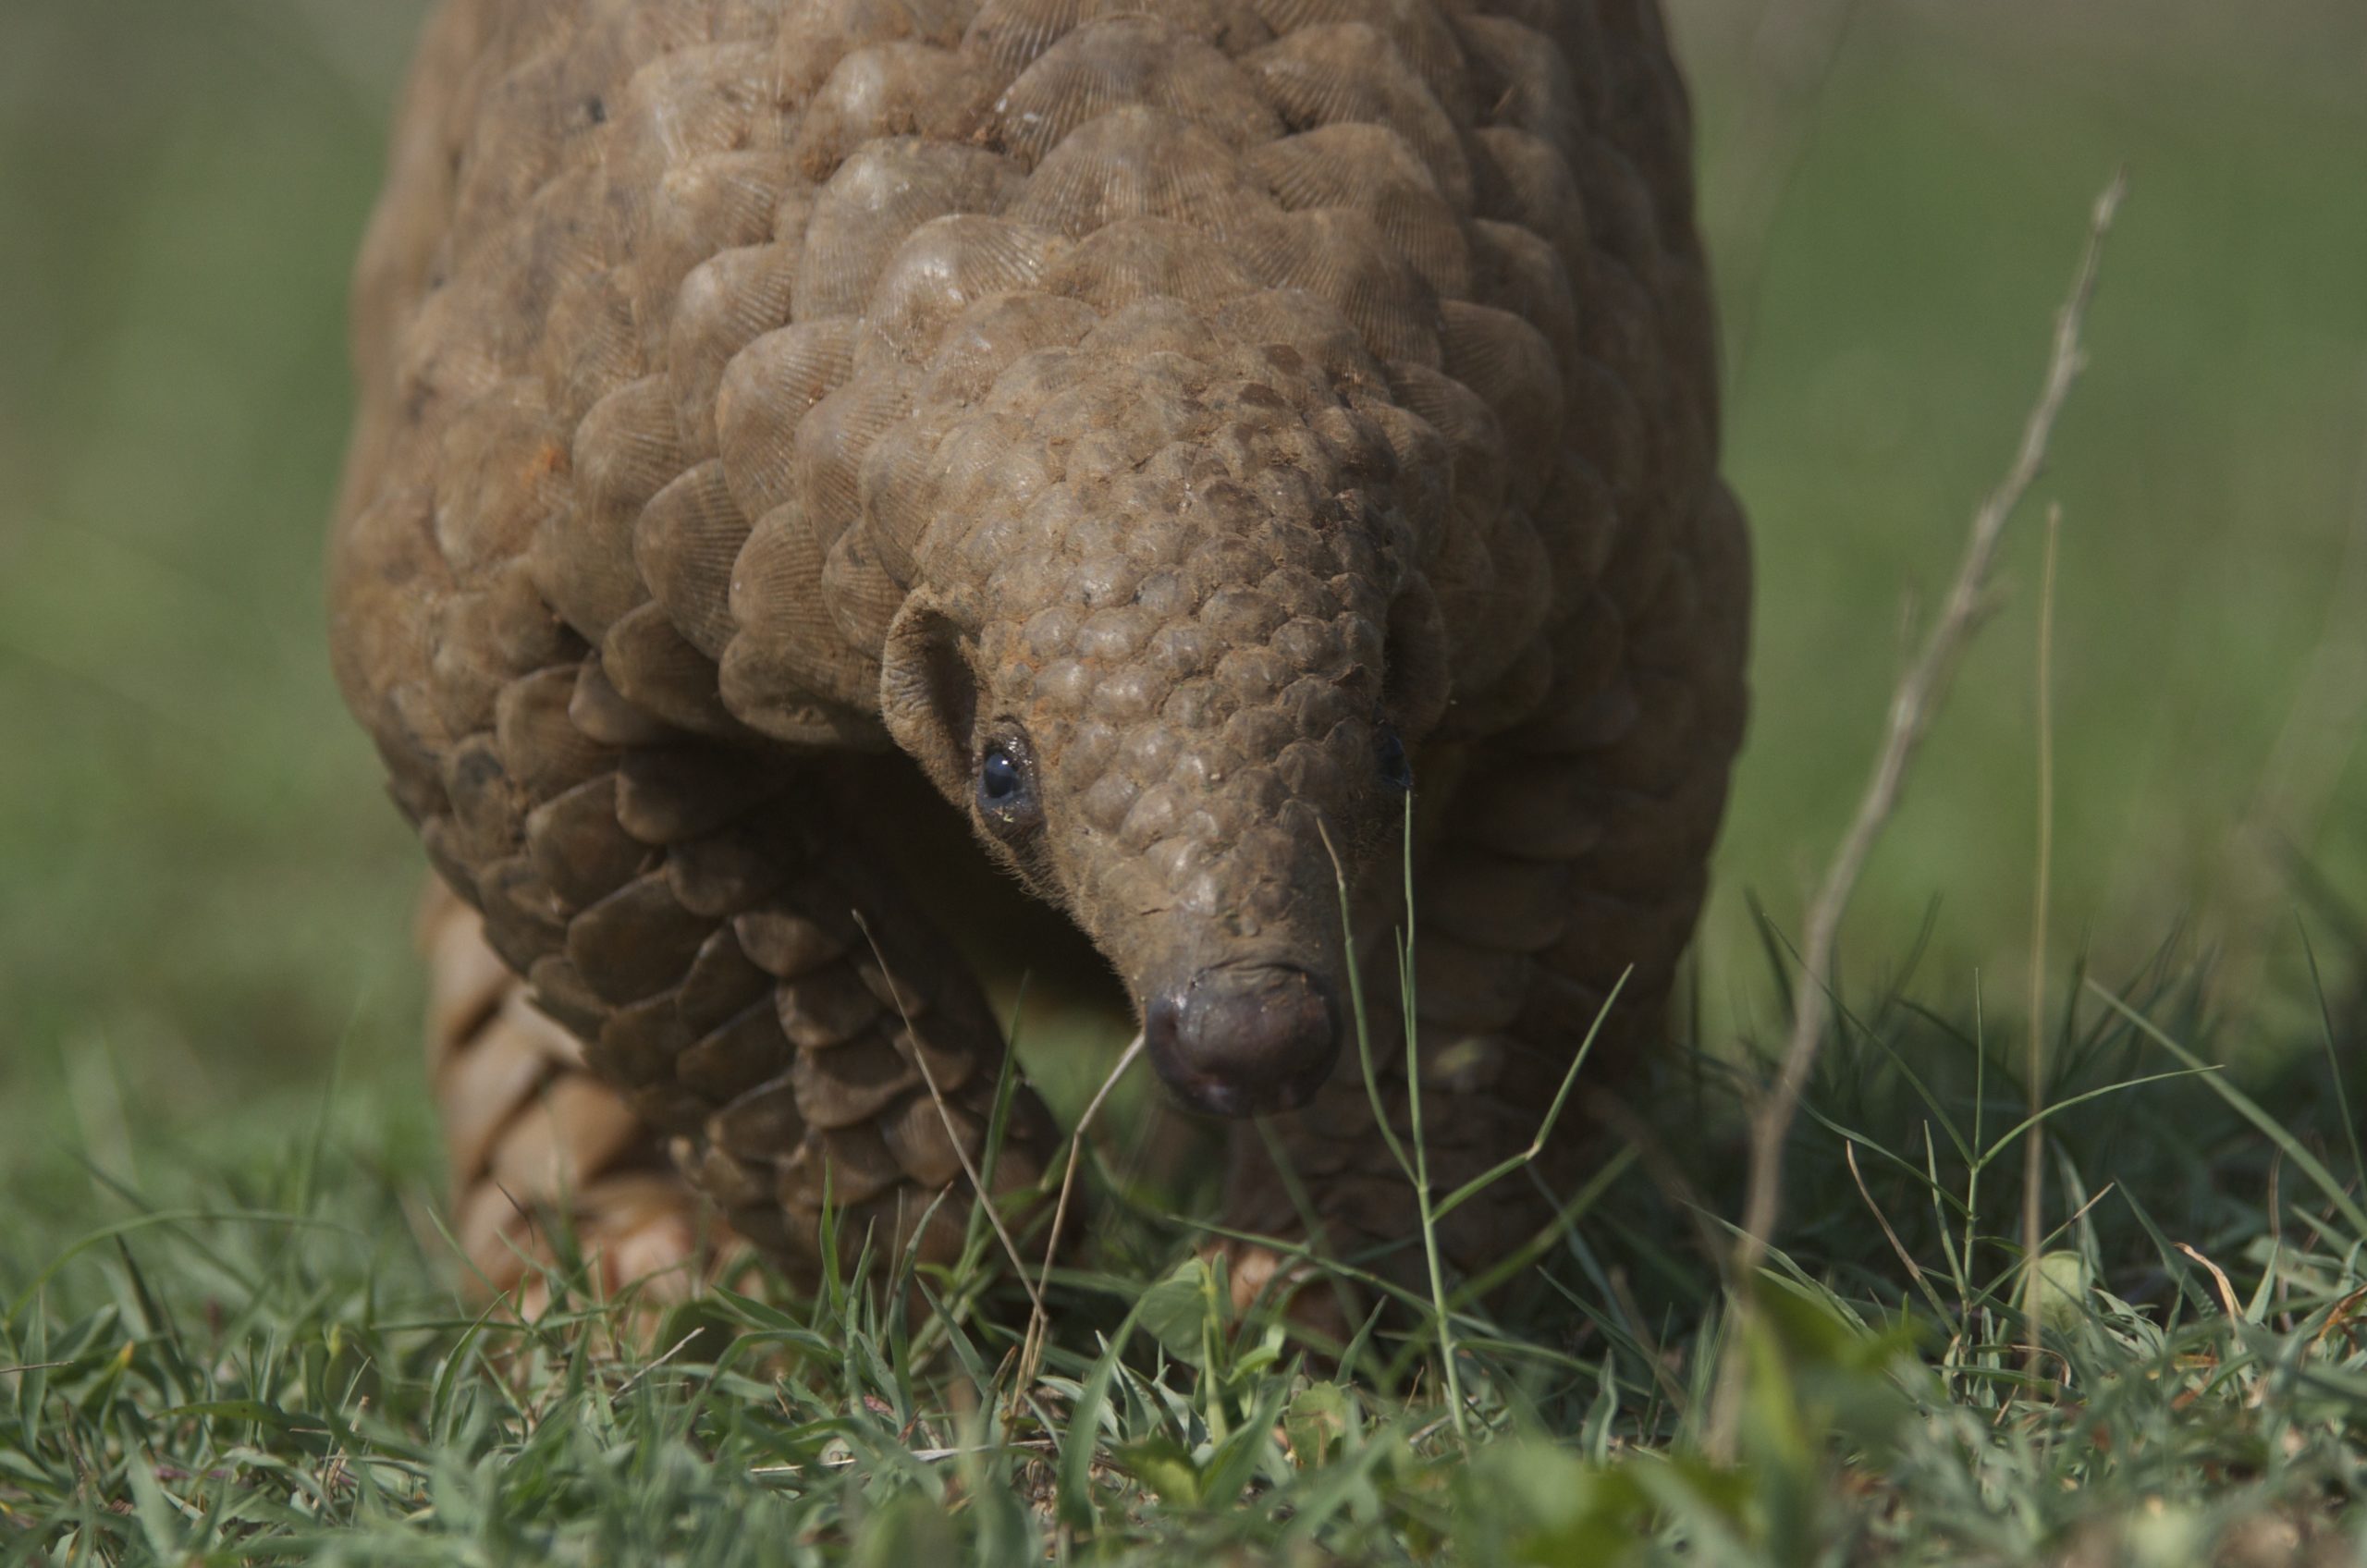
x,y
226,1300
270,1365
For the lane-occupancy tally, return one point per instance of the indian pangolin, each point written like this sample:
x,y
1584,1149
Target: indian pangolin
x,y
1172,432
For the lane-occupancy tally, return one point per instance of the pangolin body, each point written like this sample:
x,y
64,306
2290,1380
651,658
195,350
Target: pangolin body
x,y
1172,432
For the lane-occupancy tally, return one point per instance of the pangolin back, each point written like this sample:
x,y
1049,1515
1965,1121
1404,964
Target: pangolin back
x,y
699,341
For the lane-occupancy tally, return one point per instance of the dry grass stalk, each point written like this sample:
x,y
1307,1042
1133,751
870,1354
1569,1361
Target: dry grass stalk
x,y
1913,704
945,1115
1039,1321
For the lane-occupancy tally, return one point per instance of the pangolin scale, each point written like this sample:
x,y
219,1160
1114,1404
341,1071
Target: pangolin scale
x,y
1165,434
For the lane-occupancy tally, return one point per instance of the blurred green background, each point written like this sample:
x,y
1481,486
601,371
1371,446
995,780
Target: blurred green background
x,y
204,896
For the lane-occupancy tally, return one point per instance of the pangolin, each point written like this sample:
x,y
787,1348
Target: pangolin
x,y
1177,445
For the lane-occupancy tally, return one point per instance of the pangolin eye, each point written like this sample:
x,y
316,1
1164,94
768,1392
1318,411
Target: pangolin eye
x,y
1007,784
999,779
1389,753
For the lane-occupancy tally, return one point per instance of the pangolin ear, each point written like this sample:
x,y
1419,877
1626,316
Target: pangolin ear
x,y
928,697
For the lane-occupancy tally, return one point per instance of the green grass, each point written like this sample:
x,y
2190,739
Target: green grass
x,y
257,1356
222,1275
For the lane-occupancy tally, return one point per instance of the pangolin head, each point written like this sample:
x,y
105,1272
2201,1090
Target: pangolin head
x,y
1167,644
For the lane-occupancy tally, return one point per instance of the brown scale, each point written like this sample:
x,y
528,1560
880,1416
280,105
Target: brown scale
x,y
828,473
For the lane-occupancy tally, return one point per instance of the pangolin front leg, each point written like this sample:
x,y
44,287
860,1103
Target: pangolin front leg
x,y
768,1012
548,1165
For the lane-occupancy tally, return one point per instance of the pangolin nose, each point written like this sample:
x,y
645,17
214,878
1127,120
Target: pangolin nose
x,y
1242,1040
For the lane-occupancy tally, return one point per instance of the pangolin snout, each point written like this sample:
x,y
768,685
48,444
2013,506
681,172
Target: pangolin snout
x,y
1245,1039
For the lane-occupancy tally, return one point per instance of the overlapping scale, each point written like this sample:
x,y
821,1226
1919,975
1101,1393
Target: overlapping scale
x,y
1136,59
1370,169
1416,31
1136,162
1341,257
945,266
700,208
727,303
787,646
654,668
900,88
883,191
1125,263
765,393
1335,73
